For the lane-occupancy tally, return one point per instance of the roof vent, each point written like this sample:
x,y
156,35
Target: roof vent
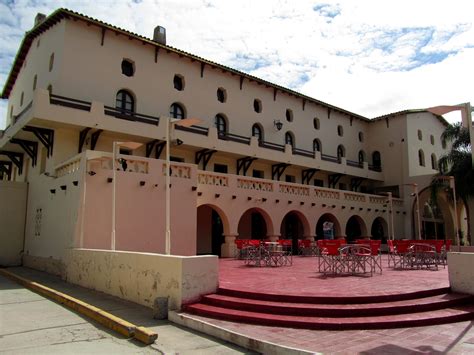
x,y
159,35
39,18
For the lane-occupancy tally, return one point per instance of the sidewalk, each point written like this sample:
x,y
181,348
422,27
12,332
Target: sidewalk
x,y
30,323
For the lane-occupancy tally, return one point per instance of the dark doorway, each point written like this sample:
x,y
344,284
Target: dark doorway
x,y
217,233
353,229
379,230
259,227
292,228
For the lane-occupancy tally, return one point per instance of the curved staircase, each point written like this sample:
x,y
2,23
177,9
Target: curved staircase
x,y
421,308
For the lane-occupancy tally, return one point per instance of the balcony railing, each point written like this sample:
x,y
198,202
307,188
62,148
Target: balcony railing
x,y
303,152
330,158
194,129
131,116
375,168
270,145
233,137
68,102
355,164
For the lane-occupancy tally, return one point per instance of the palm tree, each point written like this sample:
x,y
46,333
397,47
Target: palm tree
x,y
457,163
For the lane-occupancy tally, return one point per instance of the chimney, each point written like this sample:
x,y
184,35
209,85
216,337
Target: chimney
x,y
39,18
159,35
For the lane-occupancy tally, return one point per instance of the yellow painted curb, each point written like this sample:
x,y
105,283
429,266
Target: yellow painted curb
x,y
108,320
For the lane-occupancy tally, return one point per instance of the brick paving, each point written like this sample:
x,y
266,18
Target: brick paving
x,y
302,278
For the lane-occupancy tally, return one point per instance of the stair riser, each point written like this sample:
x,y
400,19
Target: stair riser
x,y
332,300
332,326
334,312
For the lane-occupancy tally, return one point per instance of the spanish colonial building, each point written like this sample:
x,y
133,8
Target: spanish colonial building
x,y
83,157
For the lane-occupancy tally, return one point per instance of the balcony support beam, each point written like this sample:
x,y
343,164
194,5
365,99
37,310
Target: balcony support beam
x,y
82,138
307,175
16,158
204,155
278,170
355,183
30,147
333,179
44,135
94,138
6,169
244,164
157,145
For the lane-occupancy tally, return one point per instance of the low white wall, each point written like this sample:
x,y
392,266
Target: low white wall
x,y
12,221
461,272
142,277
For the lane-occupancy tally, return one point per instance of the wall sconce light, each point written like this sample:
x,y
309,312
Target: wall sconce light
x,y
278,125
53,191
91,173
63,187
124,164
75,182
109,180
142,183
194,188
217,195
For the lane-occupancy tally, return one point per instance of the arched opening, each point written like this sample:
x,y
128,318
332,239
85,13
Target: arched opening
x,y
253,224
257,131
177,111
327,227
379,230
289,139
210,230
125,102
341,152
376,161
221,124
292,228
355,228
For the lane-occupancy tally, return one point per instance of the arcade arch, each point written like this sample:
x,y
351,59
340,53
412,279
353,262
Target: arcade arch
x,y
212,225
327,217
355,228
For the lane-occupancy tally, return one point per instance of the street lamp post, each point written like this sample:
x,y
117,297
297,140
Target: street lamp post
x,y
452,185
418,219
170,123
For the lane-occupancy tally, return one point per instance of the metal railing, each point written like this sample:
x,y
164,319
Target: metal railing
x,y
68,102
130,115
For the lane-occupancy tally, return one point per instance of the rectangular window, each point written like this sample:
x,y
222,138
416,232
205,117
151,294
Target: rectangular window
x,y
319,182
290,178
177,159
258,174
220,168
125,151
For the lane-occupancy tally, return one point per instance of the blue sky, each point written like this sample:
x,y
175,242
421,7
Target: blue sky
x,y
367,56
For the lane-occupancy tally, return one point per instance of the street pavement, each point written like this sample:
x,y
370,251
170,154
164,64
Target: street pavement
x,y
32,324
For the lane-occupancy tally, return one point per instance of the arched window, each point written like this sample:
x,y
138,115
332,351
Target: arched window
x,y
257,105
178,82
289,139
316,145
361,136
124,102
221,124
341,152
421,158
340,131
221,95
361,157
434,162
257,131
376,160
177,111
316,123
289,115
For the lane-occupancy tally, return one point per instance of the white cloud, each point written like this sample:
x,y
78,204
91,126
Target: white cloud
x,y
370,57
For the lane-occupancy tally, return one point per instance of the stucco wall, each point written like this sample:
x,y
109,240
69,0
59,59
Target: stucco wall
x,y
142,277
12,221
461,272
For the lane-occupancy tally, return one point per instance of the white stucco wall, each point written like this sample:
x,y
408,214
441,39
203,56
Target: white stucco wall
x,y
461,272
12,219
142,277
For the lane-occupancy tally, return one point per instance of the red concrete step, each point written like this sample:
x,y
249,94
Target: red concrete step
x,y
388,297
339,310
448,315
